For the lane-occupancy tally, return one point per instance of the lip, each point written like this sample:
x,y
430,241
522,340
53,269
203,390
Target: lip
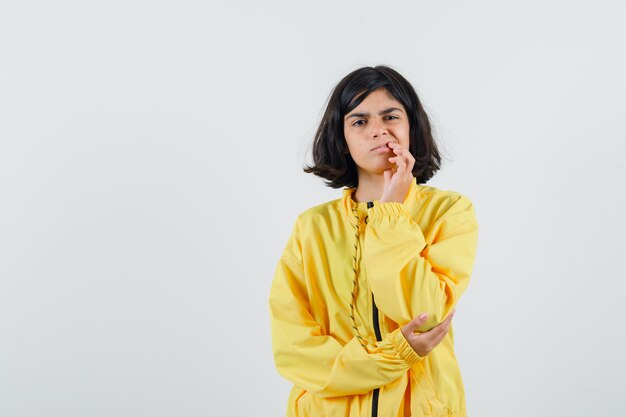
x,y
381,147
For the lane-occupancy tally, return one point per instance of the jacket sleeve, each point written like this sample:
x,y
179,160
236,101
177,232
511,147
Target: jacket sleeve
x,y
410,273
317,362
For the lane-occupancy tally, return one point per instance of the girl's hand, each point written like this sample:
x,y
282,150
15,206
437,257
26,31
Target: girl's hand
x,y
423,343
397,183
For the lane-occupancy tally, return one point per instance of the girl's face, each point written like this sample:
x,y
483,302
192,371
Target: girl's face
x,y
377,120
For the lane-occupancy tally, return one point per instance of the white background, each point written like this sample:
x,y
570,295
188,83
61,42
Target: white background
x,y
151,161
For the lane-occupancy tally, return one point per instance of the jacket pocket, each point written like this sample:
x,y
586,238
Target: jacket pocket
x,y
423,395
311,405
437,404
302,404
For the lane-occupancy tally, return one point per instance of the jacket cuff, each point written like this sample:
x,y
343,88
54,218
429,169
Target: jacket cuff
x,y
388,209
403,347
391,213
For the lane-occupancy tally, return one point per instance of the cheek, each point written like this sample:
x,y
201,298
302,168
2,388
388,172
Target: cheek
x,y
406,134
354,142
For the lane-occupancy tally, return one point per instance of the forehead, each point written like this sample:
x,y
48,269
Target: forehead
x,y
378,98
377,101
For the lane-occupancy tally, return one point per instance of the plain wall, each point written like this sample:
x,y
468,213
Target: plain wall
x,y
151,160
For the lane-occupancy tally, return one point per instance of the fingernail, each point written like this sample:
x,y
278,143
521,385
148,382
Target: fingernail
x,y
423,316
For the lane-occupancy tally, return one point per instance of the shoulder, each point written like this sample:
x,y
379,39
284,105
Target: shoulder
x,y
319,213
436,195
440,201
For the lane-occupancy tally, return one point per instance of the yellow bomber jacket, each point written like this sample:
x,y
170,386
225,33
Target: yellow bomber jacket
x,y
350,276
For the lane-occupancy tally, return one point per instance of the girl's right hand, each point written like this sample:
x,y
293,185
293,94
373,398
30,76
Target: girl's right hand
x,y
423,343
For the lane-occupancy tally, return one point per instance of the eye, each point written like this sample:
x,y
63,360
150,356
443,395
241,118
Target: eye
x,y
361,120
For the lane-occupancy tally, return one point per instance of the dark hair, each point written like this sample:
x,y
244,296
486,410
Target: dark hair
x,y
331,158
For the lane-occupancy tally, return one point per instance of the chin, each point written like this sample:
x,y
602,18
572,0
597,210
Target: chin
x,y
378,169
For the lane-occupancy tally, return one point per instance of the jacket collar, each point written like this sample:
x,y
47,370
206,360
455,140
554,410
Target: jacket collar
x,y
348,205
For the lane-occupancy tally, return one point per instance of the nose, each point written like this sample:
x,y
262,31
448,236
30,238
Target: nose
x,y
378,129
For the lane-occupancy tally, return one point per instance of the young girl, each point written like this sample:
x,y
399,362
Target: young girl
x,y
364,292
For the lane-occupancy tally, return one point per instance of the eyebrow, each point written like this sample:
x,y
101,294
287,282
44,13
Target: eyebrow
x,y
383,112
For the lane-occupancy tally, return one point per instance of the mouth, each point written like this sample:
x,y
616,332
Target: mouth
x,y
378,148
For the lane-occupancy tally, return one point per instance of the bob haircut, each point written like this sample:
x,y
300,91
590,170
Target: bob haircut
x,y
331,157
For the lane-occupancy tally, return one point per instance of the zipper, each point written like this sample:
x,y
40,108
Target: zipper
x,y
378,338
375,318
376,392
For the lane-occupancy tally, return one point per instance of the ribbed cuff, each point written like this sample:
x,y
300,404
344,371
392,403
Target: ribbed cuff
x,y
403,347
389,209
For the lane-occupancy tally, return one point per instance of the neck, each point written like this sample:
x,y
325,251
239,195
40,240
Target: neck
x,y
370,188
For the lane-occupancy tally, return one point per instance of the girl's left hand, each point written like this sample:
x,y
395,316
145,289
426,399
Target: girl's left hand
x,y
397,183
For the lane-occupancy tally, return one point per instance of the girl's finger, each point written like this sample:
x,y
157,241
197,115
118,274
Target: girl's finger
x,y
403,159
400,154
404,153
401,162
411,164
397,159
